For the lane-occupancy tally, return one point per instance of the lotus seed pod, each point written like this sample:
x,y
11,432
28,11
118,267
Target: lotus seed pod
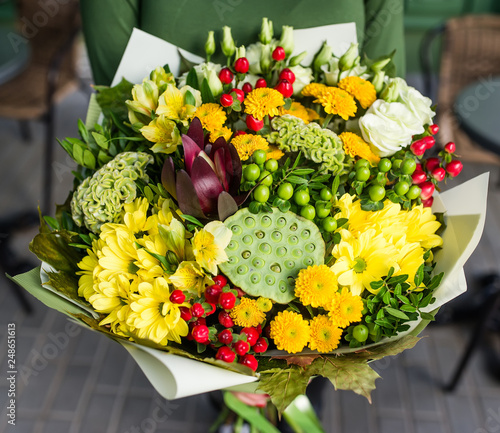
x,y
267,251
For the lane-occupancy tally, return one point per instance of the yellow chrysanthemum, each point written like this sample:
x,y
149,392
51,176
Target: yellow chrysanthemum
x,y
90,270
337,102
362,90
265,304
312,115
247,144
119,254
274,153
410,258
325,336
209,244
297,110
316,285
224,132
313,89
355,146
263,102
345,308
422,227
290,331
212,116
136,216
247,313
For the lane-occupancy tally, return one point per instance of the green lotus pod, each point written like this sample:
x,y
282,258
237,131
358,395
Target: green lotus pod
x,y
267,251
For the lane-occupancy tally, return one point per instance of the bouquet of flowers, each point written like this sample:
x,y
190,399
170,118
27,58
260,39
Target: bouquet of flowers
x,y
265,219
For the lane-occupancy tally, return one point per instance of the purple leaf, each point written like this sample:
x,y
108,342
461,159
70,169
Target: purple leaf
x,y
168,177
187,198
226,205
195,132
235,180
191,151
207,185
220,167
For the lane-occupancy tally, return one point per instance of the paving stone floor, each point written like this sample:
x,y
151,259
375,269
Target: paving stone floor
x,y
81,382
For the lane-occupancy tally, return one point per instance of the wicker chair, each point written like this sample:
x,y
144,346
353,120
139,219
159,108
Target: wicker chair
x,y
470,51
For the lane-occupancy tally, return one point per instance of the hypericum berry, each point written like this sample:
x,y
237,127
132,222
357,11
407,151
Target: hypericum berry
x,y
247,87
225,319
429,141
225,354
432,163
200,333
240,292
254,124
260,346
434,129
427,189
418,147
279,54
240,95
428,202
454,168
250,361
197,310
239,133
225,75
241,347
260,83
221,280
227,300
226,100
418,177
252,335
212,293
198,321
438,173
185,313
225,336
177,297
241,65
285,88
450,147
287,74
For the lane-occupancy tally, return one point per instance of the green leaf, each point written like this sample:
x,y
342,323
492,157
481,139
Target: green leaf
x,y
192,219
254,207
335,185
403,299
296,180
425,301
101,140
427,316
78,154
398,280
391,272
303,171
206,92
82,130
112,99
396,313
341,222
375,285
436,281
192,80
408,308
88,159
52,222
301,417
189,98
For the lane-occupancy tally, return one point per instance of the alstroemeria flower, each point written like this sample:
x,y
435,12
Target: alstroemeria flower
x,y
164,133
190,276
179,104
209,244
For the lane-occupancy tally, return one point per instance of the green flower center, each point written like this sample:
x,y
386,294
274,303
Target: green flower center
x,y
359,265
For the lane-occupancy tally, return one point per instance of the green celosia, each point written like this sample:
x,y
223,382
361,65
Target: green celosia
x,y
99,199
320,145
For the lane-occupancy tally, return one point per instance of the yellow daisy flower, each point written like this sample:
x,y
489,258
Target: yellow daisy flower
x,y
164,133
274,153
410,258
119,254
337,102
345,308
290,331
247,313
224,132
422,227
355,146
263,102
316,285
90,270
136,216
362,90
265,304
325,336
212,116
247,144
314,89
209,244
297,110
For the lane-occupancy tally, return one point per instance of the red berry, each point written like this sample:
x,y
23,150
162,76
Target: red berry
x,y
450,147
267,331
254,124
241,65
225,354
454,168
177,297
240,95
429,141
285,88
247,87
241,347
250,361
225,319
279,54
212,293
418,147
427,190
434,129
438,173
259,328
260,83
221,280
239,133
428,202
432,163
227,300
287,74
418,177
185,313
225,75
200,333
252,335
226,100
225,336
197,310
260,346
198,321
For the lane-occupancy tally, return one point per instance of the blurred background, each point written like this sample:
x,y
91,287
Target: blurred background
x,y
83,382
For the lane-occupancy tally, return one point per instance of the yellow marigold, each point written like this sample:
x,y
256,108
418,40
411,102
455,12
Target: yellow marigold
x,y
290,331
263,102
313,89
325,336
354,146
312,115
247,313
316,285
297,110
274,153
265,304
362,90
247,144
337,101
212,116
345,308
224,132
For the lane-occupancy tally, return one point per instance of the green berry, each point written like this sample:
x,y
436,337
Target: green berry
x,y
285,191
259,156
251,172
362,163
408,166
322,209
360,333
384,165
266,178
261,193
308,212
325,194
402,187
362,174
271,165
329,224
413,192
376,192
301,197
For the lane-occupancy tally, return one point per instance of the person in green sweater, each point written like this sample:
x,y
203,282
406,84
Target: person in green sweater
x,y
107,24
